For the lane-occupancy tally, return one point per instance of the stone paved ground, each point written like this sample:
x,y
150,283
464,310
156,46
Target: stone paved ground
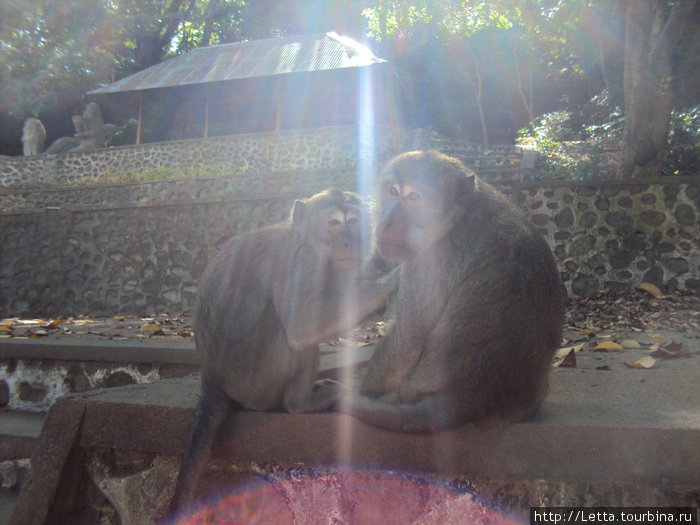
x,y
600,336
617,330
665,326
149,330
609,316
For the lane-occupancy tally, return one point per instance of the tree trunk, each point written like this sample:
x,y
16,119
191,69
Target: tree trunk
x,y
212,13
478,85
653,28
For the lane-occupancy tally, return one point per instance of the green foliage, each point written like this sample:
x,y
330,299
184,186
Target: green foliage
x,y
599,119
392,19
584,144
576,161
683,153
50,49
576,145
477,70
53,52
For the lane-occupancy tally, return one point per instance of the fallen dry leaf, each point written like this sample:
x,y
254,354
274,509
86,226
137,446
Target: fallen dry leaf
x,y
606,346
636,310
629,343
662,353
564,351
651,289
670,350
644,362
673,346
569,361
150,326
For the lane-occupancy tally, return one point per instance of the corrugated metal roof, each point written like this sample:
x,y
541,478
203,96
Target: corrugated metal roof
x,y
257,58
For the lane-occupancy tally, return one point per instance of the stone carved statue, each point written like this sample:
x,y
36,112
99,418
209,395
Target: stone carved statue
x,y
90,132
33,137
90,128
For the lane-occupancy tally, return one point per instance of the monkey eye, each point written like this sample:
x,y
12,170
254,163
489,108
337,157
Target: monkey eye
x,y
333,222
414,196
394,191
352,221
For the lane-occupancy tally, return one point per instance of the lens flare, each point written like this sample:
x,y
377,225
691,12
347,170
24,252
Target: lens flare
x,y
351,496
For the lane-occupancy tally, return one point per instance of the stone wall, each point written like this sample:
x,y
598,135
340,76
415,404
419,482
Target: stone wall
x,y
613,234
100,260
140,248
319,148
34,385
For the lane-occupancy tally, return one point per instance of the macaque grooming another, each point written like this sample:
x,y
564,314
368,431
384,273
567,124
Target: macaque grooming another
x,y
264,304
479,309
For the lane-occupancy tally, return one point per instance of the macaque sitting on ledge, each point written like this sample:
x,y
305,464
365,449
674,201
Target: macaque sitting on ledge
x,y
479,309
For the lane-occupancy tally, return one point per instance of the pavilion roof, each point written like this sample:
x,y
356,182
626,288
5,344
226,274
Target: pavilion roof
x,y
255,58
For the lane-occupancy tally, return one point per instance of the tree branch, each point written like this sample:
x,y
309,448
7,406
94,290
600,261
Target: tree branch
x,y
673,29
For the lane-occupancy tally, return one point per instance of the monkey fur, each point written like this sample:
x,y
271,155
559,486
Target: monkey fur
x,y
479,308
263,306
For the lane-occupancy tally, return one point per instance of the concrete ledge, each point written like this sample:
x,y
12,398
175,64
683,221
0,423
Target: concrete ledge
x,y
146,351
36,372
52,478
634,432
554,446
113,352
19,434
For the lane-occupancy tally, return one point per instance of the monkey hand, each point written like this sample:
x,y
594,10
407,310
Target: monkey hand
x,y
330,389
322,383
324,396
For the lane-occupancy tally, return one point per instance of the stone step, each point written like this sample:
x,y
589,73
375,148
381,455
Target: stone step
x,y
51,368
19,433
8,499
606,435
19,436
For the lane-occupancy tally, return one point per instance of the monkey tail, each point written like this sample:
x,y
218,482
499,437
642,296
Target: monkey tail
x,y
431,413
212,408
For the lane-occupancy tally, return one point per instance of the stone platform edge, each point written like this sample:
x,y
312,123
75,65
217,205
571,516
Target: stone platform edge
x,y
156,418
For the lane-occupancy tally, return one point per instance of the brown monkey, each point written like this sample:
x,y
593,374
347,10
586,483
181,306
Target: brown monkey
x,y
479,309
263,305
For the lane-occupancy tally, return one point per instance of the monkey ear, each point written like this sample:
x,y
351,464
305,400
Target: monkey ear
x,y
466,186
298,211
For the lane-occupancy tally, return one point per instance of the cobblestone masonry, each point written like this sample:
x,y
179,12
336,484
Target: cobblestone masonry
x,y
319,148
612,234
34,385
140,248
146,257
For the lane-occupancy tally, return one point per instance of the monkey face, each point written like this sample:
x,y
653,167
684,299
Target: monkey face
x,y
333,223
421,198
410,218
343,237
